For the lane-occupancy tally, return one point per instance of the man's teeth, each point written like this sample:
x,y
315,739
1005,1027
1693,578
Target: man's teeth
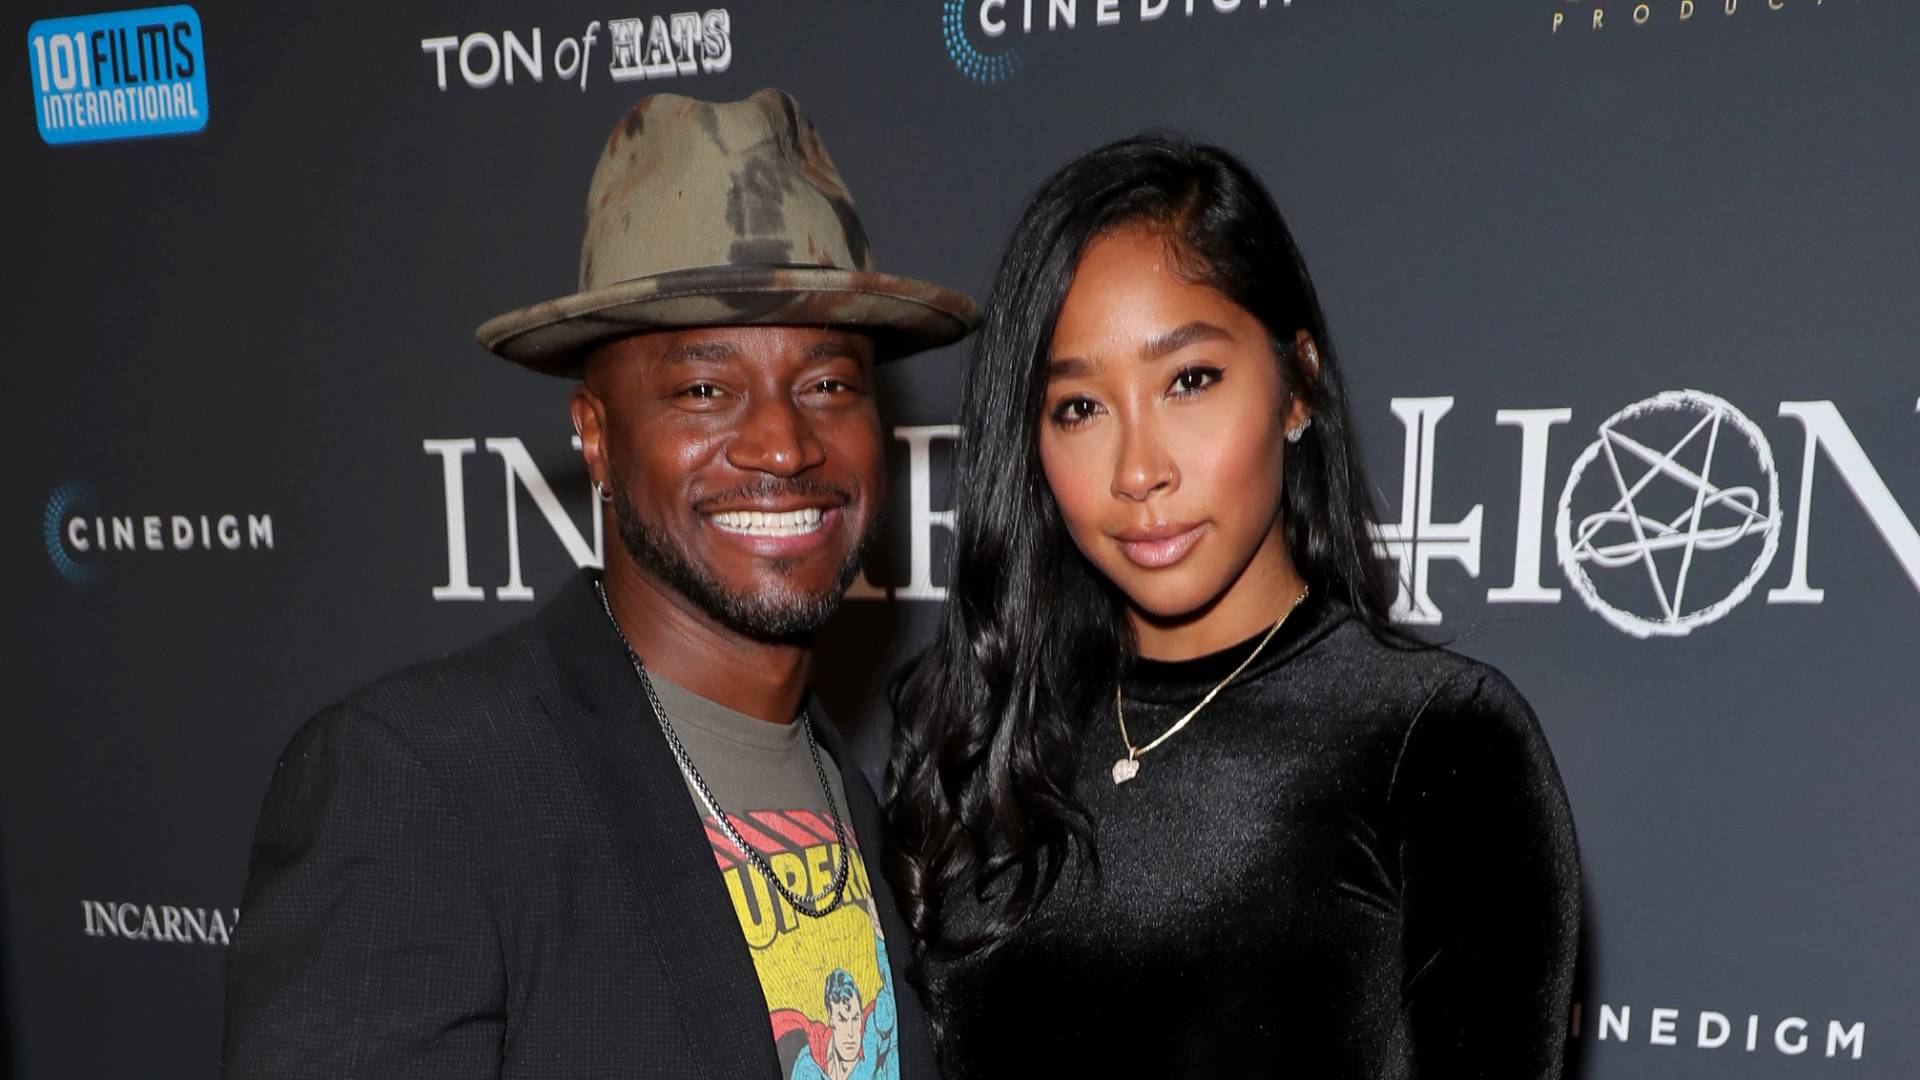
x,y
755,523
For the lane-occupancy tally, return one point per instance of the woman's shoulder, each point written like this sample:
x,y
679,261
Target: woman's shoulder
x,y
1453,715
1424,675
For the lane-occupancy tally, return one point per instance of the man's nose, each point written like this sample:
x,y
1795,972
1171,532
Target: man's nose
x,y
775,437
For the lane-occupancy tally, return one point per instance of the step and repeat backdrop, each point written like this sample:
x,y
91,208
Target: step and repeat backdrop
x,y
1627,293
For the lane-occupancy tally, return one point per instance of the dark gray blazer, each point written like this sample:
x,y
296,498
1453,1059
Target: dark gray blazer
x,y
489,865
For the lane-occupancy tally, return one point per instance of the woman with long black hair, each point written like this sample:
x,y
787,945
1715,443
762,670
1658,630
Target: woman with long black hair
x,y
1171,794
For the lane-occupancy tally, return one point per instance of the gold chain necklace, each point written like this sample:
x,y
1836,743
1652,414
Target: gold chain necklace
x,y
1128,767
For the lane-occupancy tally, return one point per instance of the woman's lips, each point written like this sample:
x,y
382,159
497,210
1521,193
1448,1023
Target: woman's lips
x,y
1157,547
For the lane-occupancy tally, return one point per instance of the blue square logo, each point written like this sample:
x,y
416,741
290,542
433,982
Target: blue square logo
x,y
118,75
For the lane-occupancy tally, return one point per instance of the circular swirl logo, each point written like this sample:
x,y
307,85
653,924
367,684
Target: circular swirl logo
x,y
979,66
59,508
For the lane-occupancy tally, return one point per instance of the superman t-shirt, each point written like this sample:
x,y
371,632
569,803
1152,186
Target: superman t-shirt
x,y
829,992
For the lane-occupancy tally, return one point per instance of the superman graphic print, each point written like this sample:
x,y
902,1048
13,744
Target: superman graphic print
x,y
829,995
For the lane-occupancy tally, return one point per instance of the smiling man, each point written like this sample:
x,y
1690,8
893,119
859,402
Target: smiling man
x,y
620,839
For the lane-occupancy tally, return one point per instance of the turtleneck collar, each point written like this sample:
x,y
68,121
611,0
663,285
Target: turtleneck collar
x,y
1150,680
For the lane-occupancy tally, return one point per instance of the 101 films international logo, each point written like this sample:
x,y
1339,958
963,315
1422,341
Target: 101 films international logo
x,y
118,75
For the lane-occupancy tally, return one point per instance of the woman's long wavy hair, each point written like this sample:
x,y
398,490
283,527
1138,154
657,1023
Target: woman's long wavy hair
x,y
980,781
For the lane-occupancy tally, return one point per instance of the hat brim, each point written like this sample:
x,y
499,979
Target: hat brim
x,y
551,337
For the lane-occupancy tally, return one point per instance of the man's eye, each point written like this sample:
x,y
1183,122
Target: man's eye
x,y
701,392
832,386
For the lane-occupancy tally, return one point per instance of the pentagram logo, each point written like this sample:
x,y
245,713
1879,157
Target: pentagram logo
x,y
1664,528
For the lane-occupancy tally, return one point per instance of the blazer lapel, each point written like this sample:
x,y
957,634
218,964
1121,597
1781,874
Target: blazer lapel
x,y
596,699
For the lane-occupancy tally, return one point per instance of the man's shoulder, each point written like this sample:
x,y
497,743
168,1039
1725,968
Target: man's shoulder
x,y
505,666
471,706
480,736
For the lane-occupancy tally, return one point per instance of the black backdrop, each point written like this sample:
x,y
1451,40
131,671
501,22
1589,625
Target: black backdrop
x,y
1543,251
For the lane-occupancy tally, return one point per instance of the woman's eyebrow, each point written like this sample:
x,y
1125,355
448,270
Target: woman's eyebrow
x,y
1182,336
1067,367
1155,347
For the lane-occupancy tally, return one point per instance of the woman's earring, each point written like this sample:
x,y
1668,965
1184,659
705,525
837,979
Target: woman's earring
x,y
1294,435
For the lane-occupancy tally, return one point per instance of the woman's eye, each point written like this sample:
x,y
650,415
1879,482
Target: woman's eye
x,y
1075,411
1192,380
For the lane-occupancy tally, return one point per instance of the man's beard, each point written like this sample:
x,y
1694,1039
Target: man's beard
x,y
777,613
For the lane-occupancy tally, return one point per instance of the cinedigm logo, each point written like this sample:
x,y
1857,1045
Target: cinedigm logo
x,y
963,22
80,537
118,75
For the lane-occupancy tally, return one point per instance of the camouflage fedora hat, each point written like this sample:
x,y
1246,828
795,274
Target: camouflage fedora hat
x,y
717,214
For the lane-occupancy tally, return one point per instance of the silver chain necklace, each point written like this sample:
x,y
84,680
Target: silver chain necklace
x,y
808,904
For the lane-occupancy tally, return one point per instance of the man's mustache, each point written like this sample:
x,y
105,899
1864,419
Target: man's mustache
x,y
771,488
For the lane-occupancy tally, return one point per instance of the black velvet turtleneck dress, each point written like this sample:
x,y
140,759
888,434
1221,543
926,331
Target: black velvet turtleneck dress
x,y
1357,862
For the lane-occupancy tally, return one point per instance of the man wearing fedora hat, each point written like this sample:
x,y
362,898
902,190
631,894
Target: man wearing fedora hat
x,y
620,839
